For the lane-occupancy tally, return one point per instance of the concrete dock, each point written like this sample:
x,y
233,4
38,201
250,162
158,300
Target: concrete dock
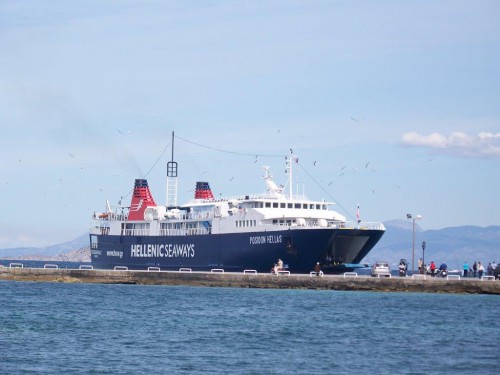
x,y
351,282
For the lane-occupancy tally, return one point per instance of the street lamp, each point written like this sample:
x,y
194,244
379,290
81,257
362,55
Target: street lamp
x,y
423,254
417,217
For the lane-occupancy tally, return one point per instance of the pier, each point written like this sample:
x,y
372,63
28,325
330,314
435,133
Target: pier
x,y
219,278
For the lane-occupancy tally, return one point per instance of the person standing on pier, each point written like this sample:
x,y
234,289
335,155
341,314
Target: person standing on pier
x,y
480,270
474,268
466,269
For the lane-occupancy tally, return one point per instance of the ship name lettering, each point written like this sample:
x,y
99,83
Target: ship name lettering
x,y
273,238
162,250
257,240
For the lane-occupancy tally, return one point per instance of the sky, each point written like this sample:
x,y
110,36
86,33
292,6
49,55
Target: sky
x,y
390,105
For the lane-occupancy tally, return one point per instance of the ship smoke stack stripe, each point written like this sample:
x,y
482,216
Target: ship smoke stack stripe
x,y
203,191
141,199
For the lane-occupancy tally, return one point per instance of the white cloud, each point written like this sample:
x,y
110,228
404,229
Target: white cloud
x,y
482,144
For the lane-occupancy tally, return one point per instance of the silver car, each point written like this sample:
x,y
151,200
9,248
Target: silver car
x,y
381,269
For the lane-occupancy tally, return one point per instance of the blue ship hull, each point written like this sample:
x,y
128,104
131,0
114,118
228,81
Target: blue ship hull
x,y
299,249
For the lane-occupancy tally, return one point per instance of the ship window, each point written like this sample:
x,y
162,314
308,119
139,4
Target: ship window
x,y
275,221
255,223
290,205
275,205
268,204
318,207
324,207
282,205
288,222
297,205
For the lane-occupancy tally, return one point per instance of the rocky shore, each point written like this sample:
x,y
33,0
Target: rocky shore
x,y
394,284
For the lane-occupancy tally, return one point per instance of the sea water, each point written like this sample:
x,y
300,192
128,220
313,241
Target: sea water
x,y
58,328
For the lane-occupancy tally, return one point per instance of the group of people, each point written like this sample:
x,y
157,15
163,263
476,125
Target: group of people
x,y
477,269
431,268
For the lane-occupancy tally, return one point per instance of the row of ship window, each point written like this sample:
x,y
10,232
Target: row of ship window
x,y
253,223
305,206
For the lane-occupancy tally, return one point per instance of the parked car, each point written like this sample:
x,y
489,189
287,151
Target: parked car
x,y
381,268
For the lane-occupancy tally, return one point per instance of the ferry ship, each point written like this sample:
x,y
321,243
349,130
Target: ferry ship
x,y
234,234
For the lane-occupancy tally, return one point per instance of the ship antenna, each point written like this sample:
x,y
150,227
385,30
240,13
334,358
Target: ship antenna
x,y
172,179
289,170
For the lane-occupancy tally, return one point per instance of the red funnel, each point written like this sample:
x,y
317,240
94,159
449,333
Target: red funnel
x,y
141,199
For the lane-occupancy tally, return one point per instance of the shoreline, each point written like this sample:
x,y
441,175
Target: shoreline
x,y
265,281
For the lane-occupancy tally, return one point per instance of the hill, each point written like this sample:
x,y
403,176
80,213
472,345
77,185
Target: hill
x,y
453,245
76,250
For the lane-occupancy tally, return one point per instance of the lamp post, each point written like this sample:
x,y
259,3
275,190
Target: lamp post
x,y
423,254
417,217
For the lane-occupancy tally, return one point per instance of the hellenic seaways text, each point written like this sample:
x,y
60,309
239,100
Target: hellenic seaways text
x,y
162,250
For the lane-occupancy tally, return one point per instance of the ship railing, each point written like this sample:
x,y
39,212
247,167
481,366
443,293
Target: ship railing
x,y
365,225
336,224
110,217
297,197
135,232
185,231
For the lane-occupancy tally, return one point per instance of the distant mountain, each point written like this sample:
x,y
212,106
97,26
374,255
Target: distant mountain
x,y
452,245
48,252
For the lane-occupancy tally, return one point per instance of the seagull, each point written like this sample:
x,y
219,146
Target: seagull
x,y
119,131
353,119
71,155
330,183
366,166
314,163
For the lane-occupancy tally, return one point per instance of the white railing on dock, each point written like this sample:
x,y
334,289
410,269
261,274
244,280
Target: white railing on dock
x,y
85,267
489,277
453,277
16,265
418,276
216,270
314,273
185,270
121,268
50,266
350,274
284,273
384,274
250,271
154,269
